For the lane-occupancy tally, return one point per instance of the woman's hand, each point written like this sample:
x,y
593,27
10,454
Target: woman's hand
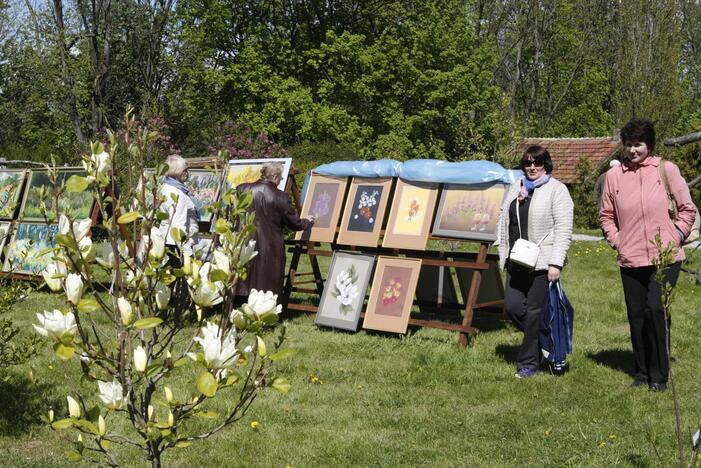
x,y
553,273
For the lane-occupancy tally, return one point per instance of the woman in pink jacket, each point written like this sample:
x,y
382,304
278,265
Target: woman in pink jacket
x,y
634,210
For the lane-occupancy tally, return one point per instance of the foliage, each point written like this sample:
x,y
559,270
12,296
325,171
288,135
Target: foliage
x,y
586,210
15,347
225,356
239,141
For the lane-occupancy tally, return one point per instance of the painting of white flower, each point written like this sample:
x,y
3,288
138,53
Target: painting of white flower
x,y
345,289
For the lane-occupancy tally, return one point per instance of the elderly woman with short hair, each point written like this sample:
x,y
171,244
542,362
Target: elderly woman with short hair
x,y
274,212
179,203
536,207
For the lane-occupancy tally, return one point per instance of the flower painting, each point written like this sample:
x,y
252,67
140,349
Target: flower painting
x,y
344,294
469,212
366,205
411,211
28,251
10,187
364,212
77,204
243,171
392,294
410,216
323,200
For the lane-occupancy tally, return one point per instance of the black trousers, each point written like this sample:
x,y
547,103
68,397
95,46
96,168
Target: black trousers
x,y
524,298
649,331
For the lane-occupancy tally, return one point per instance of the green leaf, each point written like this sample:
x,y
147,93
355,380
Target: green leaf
x,y
149,322
281,385
76,183
181,362
62,424
74,456
262,349
269,318
63,351
105,444
93,413
97,147
127,218
285,353
87,425
177,234
88,304
207,414
66,241
221,226
183,444
207,384
218,275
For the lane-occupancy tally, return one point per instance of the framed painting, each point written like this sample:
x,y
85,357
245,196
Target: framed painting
x,y
323,201
344,294
27,252
410,216
11,181
4,233
469,211
77,204
205,190
365,211
248,170
392,294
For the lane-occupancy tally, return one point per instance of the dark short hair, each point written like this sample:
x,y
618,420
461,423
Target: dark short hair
x,y
538,154
639,130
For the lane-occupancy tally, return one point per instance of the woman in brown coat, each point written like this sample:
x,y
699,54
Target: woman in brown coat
x,y
274,212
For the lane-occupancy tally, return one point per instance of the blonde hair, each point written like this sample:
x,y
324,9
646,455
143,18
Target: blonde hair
x,y
176,166
271,170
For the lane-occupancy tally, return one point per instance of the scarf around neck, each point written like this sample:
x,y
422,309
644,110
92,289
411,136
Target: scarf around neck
x,y
528,186
183,188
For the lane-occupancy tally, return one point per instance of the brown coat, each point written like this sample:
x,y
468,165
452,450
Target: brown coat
x,y
273,211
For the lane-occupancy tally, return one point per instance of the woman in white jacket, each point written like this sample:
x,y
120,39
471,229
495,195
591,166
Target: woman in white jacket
x,y
545,211
177,200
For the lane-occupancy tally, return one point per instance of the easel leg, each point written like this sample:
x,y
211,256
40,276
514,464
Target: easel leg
x,y
292,272
471,299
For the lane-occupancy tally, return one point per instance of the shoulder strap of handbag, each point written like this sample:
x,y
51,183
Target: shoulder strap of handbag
x,y
665,182
518,221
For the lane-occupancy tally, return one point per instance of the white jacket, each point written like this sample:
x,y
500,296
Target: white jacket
x,y
551,209
182,215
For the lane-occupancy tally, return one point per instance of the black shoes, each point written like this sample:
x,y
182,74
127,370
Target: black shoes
x,y
658,387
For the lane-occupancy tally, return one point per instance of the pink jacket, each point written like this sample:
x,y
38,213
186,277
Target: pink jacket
x,y
634,209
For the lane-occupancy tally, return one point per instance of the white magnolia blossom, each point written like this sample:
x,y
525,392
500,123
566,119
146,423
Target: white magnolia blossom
x,y
140,359
263,302
104,254
73,407
101,425
80,227
247,252
221,261
99,163
125,310
111,394
87,249
207,294
158,244
55,324
347,291
219,352
74,288
162,295
53,269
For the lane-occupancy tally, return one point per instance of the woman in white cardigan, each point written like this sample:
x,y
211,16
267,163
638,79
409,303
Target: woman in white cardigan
x,y
545,211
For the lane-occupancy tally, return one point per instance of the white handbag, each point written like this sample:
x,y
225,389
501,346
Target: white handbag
x,y
525,253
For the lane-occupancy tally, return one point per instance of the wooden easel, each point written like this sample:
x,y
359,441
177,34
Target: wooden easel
x,y
428,257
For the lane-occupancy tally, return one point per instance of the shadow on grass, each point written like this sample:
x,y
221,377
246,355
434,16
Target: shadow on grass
x,y
616,359
508,353
21,403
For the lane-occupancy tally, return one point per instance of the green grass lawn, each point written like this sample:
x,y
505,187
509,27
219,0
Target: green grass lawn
x,y
372,399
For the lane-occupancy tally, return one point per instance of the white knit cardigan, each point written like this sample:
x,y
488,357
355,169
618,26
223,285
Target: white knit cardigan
x,y
551,208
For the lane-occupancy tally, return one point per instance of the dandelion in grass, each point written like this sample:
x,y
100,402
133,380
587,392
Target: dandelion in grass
x,y
345,289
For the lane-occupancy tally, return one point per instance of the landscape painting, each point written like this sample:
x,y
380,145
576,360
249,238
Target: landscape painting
x,y
323,201
27,252
242,171
77,204
365,210
410,216
10,190
344,294
469,211
392,294
205,190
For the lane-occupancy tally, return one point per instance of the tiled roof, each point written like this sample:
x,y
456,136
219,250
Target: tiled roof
x,y
566,153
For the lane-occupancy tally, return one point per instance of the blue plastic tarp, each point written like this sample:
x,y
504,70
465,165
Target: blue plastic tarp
x,y
421,170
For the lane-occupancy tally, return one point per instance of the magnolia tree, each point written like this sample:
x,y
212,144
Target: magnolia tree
x,y
121,326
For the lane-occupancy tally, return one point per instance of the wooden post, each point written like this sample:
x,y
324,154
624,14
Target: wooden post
x,y
471,299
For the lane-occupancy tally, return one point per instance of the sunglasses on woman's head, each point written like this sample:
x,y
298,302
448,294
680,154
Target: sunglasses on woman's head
x,y
528,163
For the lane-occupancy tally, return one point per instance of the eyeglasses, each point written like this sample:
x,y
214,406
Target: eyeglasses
x,y
528,163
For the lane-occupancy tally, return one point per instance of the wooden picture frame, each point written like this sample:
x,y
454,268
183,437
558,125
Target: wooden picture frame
x,y
411,215
42,237
79,204
470,211
4,233
241,171
364,213
392,294
323,201
11,183
346,286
